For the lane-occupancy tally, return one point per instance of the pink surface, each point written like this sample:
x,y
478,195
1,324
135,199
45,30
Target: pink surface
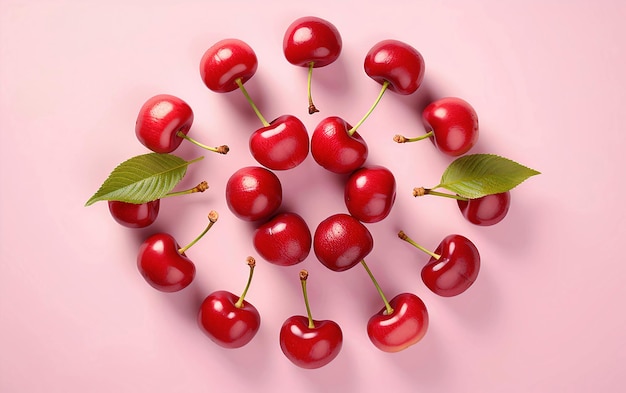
x,y
546,314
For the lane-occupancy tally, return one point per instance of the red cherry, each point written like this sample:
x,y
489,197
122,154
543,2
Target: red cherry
x,y
284,240
284,144
310,343
453,267
335,149
370,193
397,63
229,320
163,123
253,193
134,215
404,326
163,263
454,125
311,42
341,241
226,64
487,210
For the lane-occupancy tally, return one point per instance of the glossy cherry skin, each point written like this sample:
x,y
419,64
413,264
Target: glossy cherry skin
x,y
253,193
341,241
284,240
454,124
487,210
397,63
311,39
282,145
133,215
310,347
163,267
333,148
370,193
225,62
456,269
405,326
160,119
226,324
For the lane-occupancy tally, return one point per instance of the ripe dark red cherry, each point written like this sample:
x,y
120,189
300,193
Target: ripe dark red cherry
x,y
370,193
311,42
399,329
487,210
397,63
253,193
454,125
402,322
163,263
227,62
284,240
134,215
282,145
229,320
163,123
333,148
341,241
452,268
310,343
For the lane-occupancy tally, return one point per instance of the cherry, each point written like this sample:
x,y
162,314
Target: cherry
x,y
134,215
453,267
487,210
451,124
310,343
227,65
396,65
341,241
229,320
402,322
335,149
282,144
370,193
284,240
141,215
253,193
163,123
311,42
163,263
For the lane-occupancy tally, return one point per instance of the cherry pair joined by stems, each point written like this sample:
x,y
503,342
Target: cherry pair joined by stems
x,y
163,123
163,263
310,343
227,319
141,215
281,144
451,124
452,268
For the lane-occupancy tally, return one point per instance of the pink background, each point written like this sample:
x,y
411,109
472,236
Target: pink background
x,y
546,314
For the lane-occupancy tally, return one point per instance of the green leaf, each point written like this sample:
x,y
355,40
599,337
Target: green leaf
x,y
477,175
142,179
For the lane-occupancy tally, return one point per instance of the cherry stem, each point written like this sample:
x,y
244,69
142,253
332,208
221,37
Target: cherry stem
x,y
202,187
219,149
421,191
404,139
312,108
303,277
389,309
254,107
369,112
407,239
213,216
251,263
